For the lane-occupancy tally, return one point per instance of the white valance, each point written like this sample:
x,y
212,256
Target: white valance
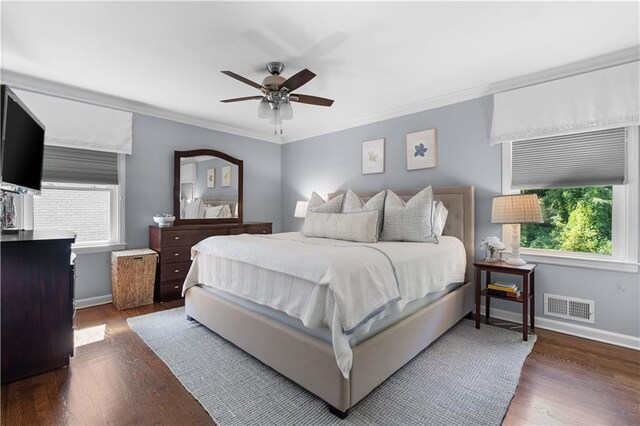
x,y
74,124
596,100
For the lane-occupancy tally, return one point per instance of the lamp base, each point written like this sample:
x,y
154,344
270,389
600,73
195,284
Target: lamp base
x,y
516,261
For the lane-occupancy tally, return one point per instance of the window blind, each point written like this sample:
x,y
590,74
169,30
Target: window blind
x,y
71,165
581,159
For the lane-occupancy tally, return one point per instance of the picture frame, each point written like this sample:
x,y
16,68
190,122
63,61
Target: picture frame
x,y
422,150
211,178
373,156
226,176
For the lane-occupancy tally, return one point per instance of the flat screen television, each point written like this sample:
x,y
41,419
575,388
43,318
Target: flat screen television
x,y
22,146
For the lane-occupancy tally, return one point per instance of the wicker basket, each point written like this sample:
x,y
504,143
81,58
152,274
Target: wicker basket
x,y
133,274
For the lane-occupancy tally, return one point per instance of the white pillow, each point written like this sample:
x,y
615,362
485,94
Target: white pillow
x,y
317,204
211,212
440,214
353,204
194,209
410,221
361,227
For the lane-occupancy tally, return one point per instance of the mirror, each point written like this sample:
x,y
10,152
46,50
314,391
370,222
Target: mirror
x,y
207,187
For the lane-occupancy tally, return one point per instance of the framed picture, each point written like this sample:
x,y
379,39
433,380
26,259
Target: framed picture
x,y
226,176
211,178
373,156
422,150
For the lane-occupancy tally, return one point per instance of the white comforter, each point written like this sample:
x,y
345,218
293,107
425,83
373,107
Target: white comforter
x,y
343,285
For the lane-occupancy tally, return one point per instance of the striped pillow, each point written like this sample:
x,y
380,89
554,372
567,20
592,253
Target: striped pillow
x,y
410,221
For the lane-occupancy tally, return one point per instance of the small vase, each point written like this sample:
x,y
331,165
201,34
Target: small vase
x,y
492,256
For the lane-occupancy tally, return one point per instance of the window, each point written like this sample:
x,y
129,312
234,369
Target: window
x,y
81,193
576,220
84,209
593,220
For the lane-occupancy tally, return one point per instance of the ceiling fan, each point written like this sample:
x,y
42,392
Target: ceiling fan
x,y
277,93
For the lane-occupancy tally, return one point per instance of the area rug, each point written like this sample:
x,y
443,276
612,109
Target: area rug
x,y
466,377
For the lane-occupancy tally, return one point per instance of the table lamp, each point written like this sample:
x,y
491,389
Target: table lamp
x,y
515,210
301,209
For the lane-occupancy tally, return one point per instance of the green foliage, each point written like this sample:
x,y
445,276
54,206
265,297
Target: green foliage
x,y
576,219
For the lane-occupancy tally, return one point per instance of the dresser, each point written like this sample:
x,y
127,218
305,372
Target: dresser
x,y
174,243
37,302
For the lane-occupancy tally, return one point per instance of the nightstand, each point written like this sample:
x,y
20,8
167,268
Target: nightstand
x,y
527,299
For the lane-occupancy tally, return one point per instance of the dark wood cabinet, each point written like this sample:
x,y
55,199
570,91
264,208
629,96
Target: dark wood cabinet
x,y
36,302
174,243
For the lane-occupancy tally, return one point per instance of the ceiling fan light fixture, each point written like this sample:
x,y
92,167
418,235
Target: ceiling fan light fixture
x,y
287,110
264,109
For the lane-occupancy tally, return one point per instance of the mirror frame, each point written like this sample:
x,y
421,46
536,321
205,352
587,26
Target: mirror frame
x,y
177,156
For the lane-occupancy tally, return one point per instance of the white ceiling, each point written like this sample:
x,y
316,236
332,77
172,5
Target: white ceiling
x,y
372,58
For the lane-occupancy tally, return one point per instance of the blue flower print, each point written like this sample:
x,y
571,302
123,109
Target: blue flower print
x,y
421,150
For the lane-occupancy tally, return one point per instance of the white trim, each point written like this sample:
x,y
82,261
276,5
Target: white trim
x,y
118,220
47,87
93,301
589,333
577,261
97,248
593,64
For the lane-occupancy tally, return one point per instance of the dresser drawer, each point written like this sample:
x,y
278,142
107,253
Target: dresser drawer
x,y
190,237
171,290
174,271
251,229
175,254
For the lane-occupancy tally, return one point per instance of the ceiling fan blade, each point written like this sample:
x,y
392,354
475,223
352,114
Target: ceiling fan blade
x,y
297,80
313,100
246,98
242,79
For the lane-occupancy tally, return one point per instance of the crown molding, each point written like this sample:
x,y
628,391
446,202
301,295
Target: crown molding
x,y
47,87
612,59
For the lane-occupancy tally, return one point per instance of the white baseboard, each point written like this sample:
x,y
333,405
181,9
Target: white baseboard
x,y
93,301
577,330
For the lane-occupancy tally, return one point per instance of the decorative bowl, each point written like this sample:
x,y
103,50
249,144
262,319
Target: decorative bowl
x,y
164,219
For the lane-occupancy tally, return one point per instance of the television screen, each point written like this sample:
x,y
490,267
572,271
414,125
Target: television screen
x,y
22,145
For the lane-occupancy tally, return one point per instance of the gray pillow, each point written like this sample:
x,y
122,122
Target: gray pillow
x,y
410,221
317,204
353,204
361,227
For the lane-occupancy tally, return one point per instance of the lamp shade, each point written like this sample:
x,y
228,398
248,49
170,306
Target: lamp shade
x,y
301,209
521,208
287,110
264,109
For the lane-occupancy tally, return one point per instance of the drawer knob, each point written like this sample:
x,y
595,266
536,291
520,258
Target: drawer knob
x,y
177,270
176,287
176,238
264,232
177,254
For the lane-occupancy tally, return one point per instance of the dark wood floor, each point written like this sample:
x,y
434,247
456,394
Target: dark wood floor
x,y
119,380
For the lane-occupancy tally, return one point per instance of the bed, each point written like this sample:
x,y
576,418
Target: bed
x,y
380,344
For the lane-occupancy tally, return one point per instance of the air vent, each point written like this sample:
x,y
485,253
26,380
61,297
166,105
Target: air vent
x,y
569,308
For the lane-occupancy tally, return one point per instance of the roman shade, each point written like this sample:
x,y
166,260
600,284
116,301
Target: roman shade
x,y
71,165
598,100
581,159
74,124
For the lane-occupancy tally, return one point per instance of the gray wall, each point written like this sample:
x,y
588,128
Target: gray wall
x,y
149,186
330,162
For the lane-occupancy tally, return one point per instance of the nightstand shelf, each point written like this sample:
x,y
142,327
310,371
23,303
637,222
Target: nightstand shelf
x,y
510,299
527,299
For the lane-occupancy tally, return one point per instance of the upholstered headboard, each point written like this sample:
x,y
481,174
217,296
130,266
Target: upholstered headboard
x,y
459,201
